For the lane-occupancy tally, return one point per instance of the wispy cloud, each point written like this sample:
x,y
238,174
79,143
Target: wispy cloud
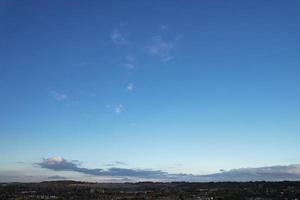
x,y
272,173
129,65
129,87
118,37
120,163
59,96
130,62
56,177
161,48
164,28
119,108
116,163
130,58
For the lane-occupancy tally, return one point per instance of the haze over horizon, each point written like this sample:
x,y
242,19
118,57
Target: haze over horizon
x,y
116,91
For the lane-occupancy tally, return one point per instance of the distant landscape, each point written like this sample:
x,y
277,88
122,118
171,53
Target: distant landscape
x,y
61,190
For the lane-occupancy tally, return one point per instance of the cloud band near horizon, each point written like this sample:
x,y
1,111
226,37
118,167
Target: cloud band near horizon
x,y
272,173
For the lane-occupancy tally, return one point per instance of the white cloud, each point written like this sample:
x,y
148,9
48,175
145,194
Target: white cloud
x,y
118,38
54,160
129,87
119,108
59,96
161,48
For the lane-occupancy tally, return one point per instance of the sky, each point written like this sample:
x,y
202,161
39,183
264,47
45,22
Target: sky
x,y
149,90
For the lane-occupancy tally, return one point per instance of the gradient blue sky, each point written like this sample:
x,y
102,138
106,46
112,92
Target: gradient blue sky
x,y
179,86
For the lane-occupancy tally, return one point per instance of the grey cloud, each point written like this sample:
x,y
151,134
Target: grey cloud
x,y
273,173
16,176
61,164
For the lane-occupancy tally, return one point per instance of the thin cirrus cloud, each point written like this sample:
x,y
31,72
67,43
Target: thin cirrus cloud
x,y
129,65
116,163
161,48
119,108
56,177
273,173
158,46
118,37
129,87
130,62
59,96
130,58
164,28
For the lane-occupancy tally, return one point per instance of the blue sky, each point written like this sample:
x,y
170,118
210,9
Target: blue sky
x,y
177,86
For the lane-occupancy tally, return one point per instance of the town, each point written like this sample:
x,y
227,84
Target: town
x,y
61,190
